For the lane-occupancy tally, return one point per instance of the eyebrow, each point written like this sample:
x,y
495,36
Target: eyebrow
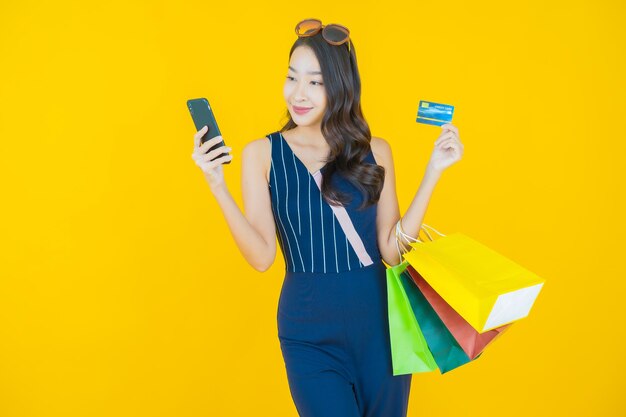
x,y
308,72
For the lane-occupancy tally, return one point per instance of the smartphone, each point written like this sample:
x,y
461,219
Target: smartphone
x,y
202,115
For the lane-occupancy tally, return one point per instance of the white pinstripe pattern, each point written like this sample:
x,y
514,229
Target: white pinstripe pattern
x,y
310,223
347,226
298,195
348,253
335,242
280,237
286,239
282,155
279,219
322,227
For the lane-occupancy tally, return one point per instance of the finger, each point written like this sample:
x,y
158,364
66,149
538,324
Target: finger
x,y
446,143
197,138
448,135
199,134
449,145
217,161
452,145
444,136
215,152
213,164
210,143
450,126
453,130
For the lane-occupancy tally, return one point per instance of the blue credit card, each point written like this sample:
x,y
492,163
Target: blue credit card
x,y
434,113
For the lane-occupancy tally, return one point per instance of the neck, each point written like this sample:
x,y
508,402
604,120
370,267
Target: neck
x,y
311,135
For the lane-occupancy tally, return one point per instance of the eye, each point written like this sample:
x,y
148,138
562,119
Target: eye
x,y
289,77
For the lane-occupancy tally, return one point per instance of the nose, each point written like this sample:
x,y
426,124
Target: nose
x,y
300,92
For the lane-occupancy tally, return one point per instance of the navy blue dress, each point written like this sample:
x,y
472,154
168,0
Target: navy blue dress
x,y
332,310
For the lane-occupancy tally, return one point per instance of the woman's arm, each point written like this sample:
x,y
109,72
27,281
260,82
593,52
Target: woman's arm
x,y
414,216
388,212
447,150
254,232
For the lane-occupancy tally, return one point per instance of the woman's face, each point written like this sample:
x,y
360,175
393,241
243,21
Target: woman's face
x,y
305,89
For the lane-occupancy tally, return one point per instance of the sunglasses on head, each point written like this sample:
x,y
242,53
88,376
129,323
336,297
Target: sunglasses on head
x,y
332,33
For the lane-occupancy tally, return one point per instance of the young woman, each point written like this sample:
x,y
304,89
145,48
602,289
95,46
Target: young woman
x,y
326,188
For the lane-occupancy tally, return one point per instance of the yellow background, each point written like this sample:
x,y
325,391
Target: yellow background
x,y
122,292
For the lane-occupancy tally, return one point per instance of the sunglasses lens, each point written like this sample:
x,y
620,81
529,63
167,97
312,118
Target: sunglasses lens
x,y
335,33
306,27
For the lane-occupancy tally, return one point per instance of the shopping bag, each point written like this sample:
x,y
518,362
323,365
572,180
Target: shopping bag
x,y
445,350
487,289
409,350
472,342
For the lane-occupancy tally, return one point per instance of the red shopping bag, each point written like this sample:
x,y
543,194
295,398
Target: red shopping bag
x,y
472,342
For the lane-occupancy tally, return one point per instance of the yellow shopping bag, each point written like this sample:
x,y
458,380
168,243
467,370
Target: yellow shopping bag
x,y
485,288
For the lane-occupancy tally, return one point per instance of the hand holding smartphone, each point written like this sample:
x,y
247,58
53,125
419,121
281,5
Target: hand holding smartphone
x,y
202,116
209,152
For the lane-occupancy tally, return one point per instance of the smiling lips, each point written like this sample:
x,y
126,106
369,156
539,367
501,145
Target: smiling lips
x,y
301,110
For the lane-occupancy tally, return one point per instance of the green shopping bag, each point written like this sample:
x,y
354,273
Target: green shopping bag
x,y
409,350
446,351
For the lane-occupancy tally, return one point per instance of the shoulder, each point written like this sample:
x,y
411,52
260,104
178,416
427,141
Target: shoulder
x,y
257,152
381,150
257,145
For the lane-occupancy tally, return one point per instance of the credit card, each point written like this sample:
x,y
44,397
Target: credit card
x,y
434,113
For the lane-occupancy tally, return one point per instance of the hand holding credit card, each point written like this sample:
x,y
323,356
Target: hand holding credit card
x,y
448,148
434,113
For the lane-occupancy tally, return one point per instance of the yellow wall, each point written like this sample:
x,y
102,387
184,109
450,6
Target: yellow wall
x,y
122,292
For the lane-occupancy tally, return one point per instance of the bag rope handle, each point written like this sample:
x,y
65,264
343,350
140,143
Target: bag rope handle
x,y
403,240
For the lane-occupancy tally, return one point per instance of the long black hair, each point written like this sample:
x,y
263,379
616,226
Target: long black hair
x,y
343,125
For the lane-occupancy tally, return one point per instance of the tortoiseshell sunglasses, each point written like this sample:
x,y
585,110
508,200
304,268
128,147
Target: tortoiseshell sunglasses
x,y
332,33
